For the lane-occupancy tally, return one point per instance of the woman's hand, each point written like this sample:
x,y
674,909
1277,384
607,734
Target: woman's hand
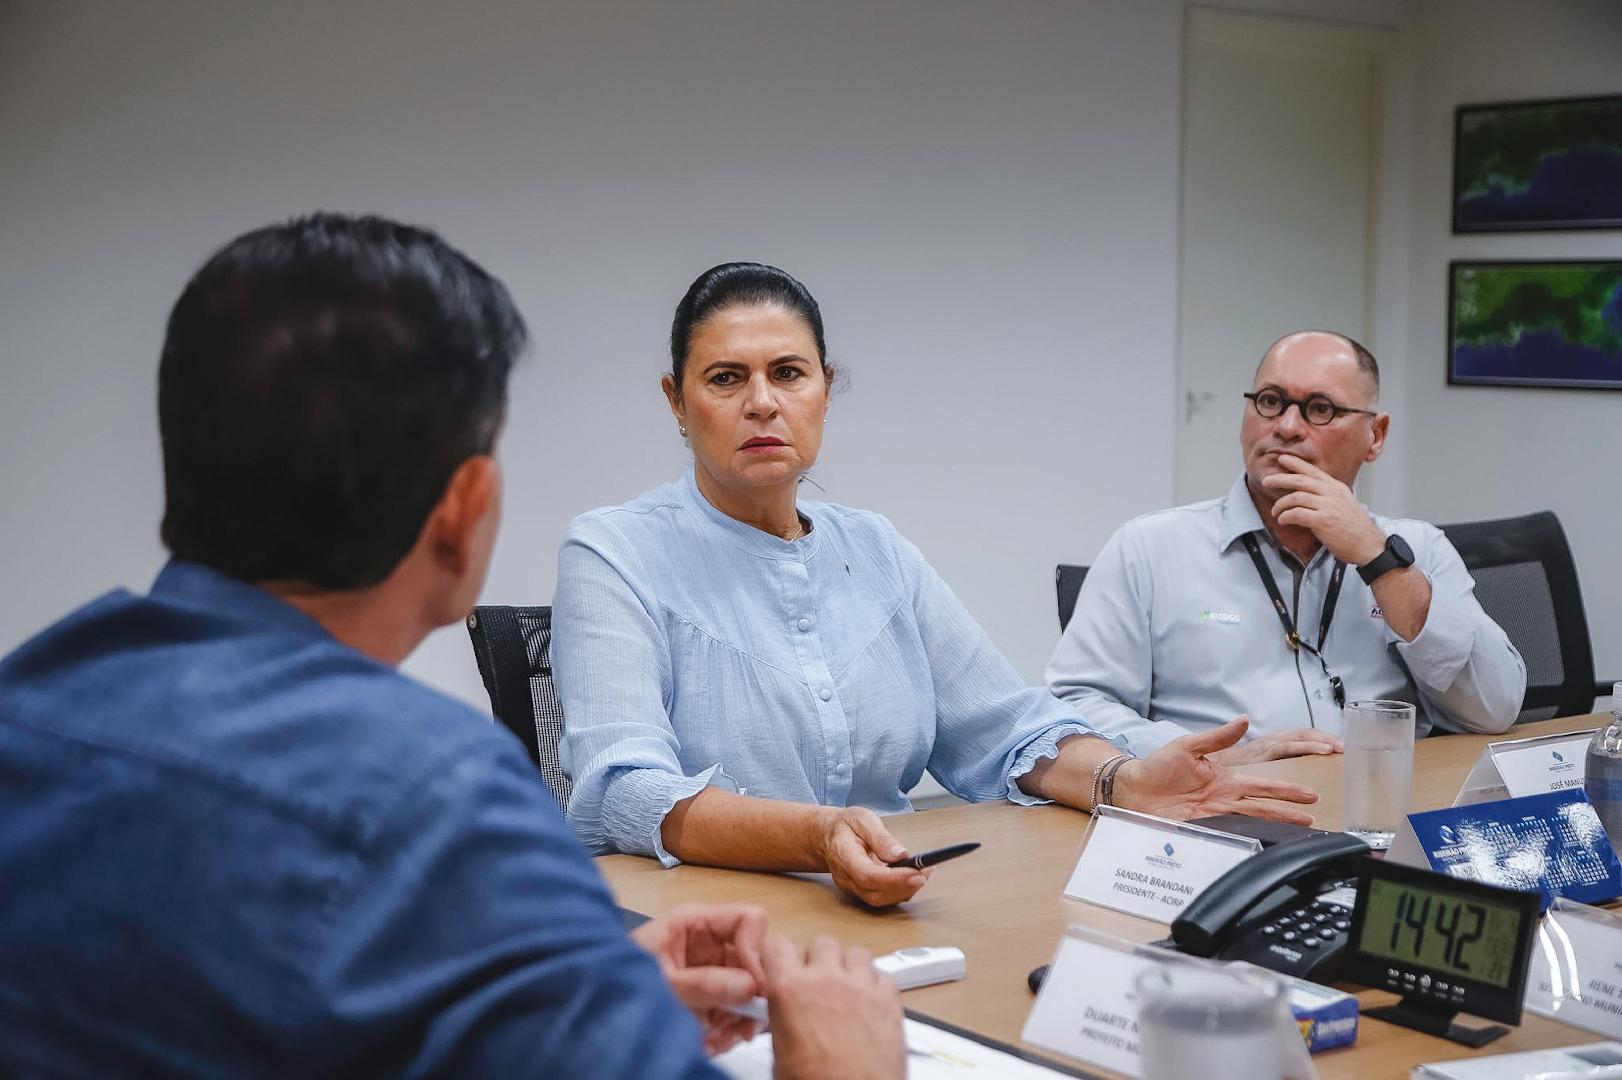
x,y
1180,781
857,849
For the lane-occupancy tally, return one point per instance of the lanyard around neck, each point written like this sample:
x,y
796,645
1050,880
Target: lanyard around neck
x,y
1291,637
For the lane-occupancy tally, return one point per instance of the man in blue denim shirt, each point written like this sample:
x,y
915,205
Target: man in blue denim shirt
x,y
234,840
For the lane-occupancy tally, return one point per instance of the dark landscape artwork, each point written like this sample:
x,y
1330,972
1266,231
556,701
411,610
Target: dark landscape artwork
x,y
1538,165
1536,324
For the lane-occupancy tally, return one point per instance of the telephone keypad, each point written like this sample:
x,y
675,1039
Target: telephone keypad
x,y
1321,924
1315,919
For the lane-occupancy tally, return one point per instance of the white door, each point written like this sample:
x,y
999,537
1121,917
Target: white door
x,y
1280,131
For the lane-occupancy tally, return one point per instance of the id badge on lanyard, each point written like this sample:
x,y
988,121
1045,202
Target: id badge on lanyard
x,y
1292,637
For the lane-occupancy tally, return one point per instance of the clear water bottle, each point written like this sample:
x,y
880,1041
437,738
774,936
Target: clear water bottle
x,y
1602,778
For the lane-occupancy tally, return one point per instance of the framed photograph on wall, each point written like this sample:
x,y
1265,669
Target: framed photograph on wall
x,y
1535,323
1538,165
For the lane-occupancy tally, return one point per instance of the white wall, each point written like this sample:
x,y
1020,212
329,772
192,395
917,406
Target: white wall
x,y
982,195
1478,452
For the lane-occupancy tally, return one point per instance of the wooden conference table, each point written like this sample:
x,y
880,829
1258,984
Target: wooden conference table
x,y
1004,907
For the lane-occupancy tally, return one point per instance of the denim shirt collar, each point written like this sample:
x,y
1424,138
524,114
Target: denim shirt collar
x,y
755,541
197,586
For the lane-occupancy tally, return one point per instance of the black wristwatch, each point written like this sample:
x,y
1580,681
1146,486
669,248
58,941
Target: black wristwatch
x,y
1396,555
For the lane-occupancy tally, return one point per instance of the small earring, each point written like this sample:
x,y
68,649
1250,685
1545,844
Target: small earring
x,y
682,430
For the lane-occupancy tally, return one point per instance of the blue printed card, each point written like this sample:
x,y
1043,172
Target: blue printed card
x,y
1551,843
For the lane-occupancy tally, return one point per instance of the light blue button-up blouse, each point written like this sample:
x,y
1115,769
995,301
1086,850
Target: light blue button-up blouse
x,y
691,649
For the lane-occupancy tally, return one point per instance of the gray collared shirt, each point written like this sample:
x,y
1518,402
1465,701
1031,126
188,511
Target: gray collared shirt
x,y
1174,632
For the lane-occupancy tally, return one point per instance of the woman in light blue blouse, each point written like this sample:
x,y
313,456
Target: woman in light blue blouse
x,y
749,679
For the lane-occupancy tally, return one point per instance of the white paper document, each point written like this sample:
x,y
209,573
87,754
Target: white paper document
x,y
932,1054
1591,1061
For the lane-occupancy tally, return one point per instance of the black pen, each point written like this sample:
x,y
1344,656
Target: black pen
x,y
939,855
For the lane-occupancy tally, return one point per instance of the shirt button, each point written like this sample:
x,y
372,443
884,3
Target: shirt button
x,y
804,624
825,693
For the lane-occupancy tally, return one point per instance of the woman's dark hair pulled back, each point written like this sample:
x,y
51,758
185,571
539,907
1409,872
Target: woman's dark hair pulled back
x,y
738,284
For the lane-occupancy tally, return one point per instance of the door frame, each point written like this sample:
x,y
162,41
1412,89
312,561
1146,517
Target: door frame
x,y
1386,265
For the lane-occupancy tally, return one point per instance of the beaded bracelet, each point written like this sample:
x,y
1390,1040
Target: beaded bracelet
x,y
1098,772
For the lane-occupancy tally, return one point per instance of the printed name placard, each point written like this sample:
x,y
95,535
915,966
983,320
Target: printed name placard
x,y
1510,768
1151,866
1551,843
1577,968
1088,1009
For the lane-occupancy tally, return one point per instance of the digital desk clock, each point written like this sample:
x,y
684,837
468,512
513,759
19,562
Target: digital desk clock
x,y
1445,944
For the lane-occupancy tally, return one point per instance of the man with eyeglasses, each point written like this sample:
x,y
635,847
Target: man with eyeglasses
x,y
1285,597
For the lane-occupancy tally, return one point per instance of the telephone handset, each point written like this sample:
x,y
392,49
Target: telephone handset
x,y
1288,908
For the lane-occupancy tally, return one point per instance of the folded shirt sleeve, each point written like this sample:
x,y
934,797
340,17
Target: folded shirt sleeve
x,y
612,668
992,727
632,812
1470,677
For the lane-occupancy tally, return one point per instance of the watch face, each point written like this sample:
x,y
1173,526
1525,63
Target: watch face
x,y
1399,548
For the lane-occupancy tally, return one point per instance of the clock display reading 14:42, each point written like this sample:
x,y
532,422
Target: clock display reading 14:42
x,y
1466,936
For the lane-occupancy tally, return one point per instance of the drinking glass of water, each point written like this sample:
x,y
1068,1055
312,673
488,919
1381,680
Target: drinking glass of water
x,y
1379,769
1210,1023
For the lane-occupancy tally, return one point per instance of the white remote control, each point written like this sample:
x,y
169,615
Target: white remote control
x,y
921,966
910,968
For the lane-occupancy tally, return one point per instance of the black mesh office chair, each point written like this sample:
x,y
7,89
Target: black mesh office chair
x,y
513,648
1067,580
1527,581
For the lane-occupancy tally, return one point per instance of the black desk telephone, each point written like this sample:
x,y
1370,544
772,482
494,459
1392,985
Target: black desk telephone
x,y
1288,908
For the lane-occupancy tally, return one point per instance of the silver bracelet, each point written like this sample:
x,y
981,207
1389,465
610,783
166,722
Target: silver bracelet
x,y
1098,778
1106,788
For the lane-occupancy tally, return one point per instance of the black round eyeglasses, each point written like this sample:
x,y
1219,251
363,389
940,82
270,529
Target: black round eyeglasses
x,y
1316,409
